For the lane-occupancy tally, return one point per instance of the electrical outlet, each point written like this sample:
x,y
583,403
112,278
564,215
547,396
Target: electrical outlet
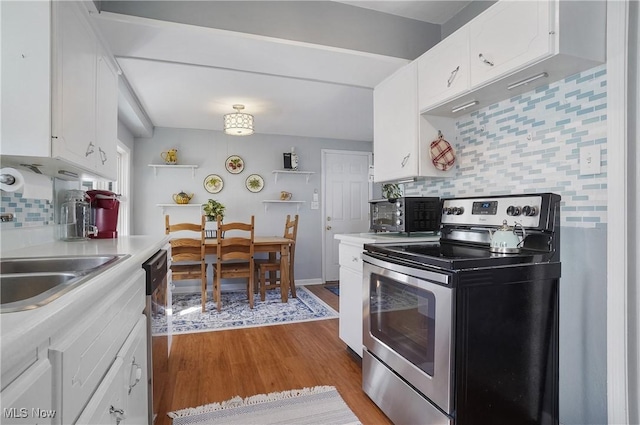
x,y
590,160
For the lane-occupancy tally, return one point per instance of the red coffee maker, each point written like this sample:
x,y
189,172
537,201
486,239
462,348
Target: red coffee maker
x,y
104,212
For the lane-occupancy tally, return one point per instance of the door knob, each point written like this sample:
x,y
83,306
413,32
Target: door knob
x,y
328,227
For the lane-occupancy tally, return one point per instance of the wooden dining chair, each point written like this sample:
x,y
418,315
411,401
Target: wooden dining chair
x,y
188,253
272,265
234,259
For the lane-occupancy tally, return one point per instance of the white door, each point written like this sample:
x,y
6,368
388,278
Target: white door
x,y
346,192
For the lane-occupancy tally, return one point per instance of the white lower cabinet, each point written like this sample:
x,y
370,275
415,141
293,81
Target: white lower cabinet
x,y
27,400
82,354
350,330
121,397
350,326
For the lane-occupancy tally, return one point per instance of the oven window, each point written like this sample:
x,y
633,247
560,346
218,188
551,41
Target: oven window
x,y
403,317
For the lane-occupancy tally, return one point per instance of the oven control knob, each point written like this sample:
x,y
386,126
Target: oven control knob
x,y
446,211
399,213
398,204
398,222
529,211
458,210
513,211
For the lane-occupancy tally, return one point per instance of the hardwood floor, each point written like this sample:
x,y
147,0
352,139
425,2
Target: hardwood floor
x,y
216,366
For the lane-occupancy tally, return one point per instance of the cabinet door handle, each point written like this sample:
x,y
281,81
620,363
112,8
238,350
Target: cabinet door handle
x,y
90,149
138,374
103,155
453,76
405,160
485,60
118,413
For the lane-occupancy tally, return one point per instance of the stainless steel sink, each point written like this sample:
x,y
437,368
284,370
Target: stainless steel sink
x,y
28,283
55,264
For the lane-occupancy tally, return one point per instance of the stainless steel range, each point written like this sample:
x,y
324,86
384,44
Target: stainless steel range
x,y
456,333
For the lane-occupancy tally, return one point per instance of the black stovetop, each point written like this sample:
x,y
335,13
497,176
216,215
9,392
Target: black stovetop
x,y
450,256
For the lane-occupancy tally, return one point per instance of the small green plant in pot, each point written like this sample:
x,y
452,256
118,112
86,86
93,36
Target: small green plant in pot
x,y
213,209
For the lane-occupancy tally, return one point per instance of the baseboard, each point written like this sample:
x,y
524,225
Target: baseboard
x,y
306,282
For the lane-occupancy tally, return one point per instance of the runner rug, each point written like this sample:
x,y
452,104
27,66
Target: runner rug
x,y
187,316
308,406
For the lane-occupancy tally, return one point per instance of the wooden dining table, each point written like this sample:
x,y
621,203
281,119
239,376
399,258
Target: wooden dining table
x,y
271,245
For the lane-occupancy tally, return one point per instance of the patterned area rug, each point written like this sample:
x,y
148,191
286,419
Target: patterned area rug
x,y
188,316
308,406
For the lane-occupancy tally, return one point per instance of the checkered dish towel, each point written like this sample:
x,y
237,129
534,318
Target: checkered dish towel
x,y
442,154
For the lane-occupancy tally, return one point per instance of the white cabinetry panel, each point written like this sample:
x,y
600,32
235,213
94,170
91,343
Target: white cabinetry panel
x,y
27,400
74,86
443,71
395,125
508,36
514,46
350,326
81,358
26,80
59,90
122,394
106,117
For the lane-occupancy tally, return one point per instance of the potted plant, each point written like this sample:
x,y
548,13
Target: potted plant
x,y
213,209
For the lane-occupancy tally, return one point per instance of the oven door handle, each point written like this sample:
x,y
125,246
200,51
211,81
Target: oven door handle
x,y
415,271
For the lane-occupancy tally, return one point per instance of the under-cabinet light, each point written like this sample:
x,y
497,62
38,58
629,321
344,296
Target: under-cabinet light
x,y
465,106
527,81
411,180
68,173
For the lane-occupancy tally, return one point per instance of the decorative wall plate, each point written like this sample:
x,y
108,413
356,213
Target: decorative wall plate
x,y
213,183
234,164
254,183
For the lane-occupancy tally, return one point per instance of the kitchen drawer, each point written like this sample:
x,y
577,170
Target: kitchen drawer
x,y
122,393
27,400
81,358
350,256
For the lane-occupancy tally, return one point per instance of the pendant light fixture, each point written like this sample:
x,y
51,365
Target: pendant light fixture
x,y
238,123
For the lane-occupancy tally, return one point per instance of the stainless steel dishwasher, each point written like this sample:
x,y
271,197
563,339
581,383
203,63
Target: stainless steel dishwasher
x,y
158,312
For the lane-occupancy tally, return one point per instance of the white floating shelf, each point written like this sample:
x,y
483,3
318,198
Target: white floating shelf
x,y
156,166
307,174
275,201
164,206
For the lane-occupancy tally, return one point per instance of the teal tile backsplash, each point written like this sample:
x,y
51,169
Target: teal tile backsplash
x,y
27,212
531,143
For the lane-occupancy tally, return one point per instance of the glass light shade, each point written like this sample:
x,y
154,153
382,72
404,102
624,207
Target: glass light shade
x,y
238,124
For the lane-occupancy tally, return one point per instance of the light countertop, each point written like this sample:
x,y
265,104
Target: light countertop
x,y
22,332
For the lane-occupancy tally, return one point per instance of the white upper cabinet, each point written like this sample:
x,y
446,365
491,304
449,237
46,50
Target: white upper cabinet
x,y
510,48
74,82
59,88
106,116
443,71
26,78
509,35
401,137
395,125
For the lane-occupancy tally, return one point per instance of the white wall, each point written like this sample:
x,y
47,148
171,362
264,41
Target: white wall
x,y
262,154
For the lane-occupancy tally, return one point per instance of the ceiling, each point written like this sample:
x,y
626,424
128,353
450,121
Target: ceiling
x,y
433,11
189,76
